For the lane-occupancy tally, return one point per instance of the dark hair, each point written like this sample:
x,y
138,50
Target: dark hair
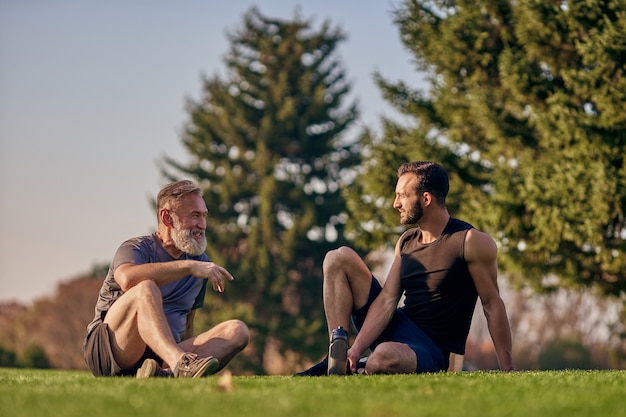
x,y
431,177
169,196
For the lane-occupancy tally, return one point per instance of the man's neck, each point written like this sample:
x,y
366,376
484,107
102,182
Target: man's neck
x,y
432,227
166,241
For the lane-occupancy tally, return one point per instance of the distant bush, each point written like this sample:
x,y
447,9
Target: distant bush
x,y
565,354
8,358
35,357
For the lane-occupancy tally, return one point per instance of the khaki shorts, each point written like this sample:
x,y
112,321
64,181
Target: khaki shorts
x,y
99,356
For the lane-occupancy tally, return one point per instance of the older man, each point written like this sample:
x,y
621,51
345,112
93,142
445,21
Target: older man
x,y
145,311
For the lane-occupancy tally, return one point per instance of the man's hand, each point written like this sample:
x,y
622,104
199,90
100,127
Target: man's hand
x,y
213,272
354,356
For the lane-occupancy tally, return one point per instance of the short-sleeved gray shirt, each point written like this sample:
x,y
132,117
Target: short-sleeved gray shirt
x,y
179,297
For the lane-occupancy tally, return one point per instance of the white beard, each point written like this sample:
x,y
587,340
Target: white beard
x,y
184,240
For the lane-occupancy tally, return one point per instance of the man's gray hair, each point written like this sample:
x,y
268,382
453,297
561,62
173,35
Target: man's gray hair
x,y
170,195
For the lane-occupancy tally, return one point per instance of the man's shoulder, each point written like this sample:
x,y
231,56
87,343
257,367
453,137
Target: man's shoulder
x,y
478,237
479,245
457,225
144,249
472,233
408,234
138,241
406,237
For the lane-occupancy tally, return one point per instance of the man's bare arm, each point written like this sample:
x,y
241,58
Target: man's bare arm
x,y
480,254
162,273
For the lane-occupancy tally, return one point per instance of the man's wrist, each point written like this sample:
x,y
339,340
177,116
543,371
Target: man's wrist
x,y
356,348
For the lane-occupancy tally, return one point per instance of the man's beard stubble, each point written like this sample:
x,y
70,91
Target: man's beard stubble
x,y
415,214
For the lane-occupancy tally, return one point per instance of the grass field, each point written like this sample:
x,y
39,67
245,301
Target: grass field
x,y
39,393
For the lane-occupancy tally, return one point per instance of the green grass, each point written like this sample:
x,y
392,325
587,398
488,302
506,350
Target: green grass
x,y
39,393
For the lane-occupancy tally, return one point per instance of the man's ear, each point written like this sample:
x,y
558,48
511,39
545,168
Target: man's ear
x,y
427,198
166,217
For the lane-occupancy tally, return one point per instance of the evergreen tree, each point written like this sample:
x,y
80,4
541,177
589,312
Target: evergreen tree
x,y
526,111
265,144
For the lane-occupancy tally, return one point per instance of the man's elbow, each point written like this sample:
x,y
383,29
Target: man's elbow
x,y
125,278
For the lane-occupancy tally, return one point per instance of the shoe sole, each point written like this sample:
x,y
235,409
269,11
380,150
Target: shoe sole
x,y
148,369
337,359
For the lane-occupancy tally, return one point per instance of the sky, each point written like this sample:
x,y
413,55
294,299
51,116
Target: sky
x,y
92,97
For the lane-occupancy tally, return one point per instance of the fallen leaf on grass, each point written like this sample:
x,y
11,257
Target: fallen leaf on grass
x,y
225,382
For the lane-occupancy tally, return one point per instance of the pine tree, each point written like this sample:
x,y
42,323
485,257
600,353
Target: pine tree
x,y
266,146
526,111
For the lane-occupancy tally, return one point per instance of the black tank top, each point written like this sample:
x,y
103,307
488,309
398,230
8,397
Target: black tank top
x,y
440,293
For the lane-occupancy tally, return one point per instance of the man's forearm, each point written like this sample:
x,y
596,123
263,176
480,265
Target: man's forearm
x,y
378,317
129,275
500,331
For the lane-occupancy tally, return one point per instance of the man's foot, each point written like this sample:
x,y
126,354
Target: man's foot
x,y
150,368
191,366
360,367
319,369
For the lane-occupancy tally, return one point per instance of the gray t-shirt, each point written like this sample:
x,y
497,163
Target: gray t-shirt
x,y
179,297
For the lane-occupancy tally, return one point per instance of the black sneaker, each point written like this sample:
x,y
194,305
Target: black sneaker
x,y
360,367
319,369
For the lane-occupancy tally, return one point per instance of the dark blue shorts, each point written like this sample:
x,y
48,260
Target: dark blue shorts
x,y
401,329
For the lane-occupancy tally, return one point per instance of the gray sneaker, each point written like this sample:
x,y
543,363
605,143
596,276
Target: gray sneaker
x,y
150,368
191,366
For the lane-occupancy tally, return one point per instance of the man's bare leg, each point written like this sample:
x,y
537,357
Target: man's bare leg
x,y
135,320
223,341
391,358
347,282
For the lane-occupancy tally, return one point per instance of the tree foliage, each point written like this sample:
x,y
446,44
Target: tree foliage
x,y
265,145
50,332
526,111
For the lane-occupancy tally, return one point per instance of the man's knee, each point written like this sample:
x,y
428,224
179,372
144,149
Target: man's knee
x,y
381,362
241,333
238,333
146,286
391,358
339,257
147,291
137,298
